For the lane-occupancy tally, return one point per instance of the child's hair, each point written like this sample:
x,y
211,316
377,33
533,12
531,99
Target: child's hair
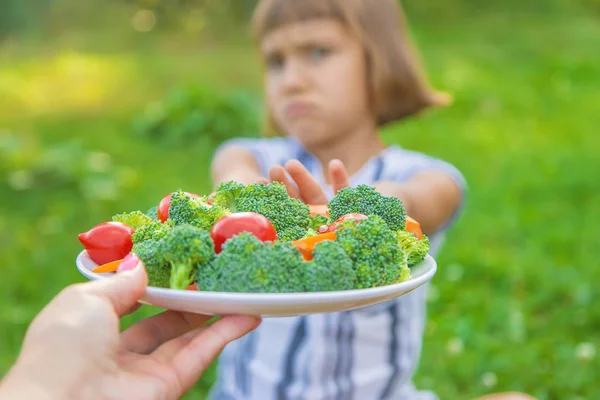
x,y
397,85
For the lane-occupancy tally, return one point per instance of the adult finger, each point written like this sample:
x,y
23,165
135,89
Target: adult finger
x,y
277,174
146,335
167,351
125,288
310,190
193,359
338,175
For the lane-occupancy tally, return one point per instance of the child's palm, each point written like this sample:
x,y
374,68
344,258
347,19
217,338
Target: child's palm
x,y
304,186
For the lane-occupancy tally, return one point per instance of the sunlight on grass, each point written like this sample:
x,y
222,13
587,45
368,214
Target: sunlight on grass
x,y
69,81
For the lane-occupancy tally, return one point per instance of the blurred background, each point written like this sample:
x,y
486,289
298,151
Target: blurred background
x,y
106,106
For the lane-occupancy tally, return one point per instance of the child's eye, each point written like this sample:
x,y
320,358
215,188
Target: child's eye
x,y
275,61
317,53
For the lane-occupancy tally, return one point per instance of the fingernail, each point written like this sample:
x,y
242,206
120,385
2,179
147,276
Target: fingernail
x,y
129,263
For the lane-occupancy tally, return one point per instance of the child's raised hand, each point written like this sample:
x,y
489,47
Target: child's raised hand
x,y
304,186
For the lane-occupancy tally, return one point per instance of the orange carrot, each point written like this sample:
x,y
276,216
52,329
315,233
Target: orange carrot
x,y
193,286
414,227
108,267
316,209
307,245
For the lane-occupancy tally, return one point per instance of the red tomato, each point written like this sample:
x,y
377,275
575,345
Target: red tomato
x,y
348,217
107,242
165,204
233,224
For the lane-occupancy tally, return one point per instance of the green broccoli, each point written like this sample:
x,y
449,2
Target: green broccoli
x,y
135,219
172,261
152,212
330,269
189,210
155,230
248,265
158,271
366,200
414,249
317,221
289,216
375,251
226,195
185,248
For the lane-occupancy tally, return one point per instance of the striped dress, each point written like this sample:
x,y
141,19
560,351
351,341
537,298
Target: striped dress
x,y
369,353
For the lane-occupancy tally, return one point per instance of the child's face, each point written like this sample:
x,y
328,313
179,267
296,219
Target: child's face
x,y
316,81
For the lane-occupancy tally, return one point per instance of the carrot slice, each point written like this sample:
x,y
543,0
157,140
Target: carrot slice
x,y
414,227
307,245
319,209
108,267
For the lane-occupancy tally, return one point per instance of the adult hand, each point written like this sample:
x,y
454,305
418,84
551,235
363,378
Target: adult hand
x,y
74,349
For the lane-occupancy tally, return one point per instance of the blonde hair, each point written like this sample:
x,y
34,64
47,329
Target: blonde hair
x,y
397,85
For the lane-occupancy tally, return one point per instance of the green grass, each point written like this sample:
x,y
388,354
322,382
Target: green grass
x,y
513,300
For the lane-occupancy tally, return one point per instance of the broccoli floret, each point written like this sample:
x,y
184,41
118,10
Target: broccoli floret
x,y
135,219
375,251
185,248
152,212
364,199
248,265
330,269
414,249
158,271
317,221
289,216
155,230
189,210
227,194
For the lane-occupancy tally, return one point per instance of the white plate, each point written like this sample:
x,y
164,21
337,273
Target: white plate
x,y
271,304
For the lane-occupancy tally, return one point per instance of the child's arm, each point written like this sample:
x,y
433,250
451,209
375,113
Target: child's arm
x,y
235,164
429,197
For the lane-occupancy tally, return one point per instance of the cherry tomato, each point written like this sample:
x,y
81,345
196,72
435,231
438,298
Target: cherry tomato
x,y
236,223
165,204
348,217
107,242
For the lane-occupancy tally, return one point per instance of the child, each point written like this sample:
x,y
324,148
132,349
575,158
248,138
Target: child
x,y
336,71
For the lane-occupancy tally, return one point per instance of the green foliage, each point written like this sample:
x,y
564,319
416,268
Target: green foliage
x,y
26,166
193,114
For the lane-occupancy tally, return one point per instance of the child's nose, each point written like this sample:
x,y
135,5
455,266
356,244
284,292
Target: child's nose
x,y
294,76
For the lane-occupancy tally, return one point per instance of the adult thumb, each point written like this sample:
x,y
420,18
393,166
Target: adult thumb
x,y
125,288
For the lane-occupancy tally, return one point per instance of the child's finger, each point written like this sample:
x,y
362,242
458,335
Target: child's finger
x,y
277,174
309,188
338,175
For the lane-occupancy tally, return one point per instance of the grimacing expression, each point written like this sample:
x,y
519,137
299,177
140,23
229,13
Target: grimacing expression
x,y
316,80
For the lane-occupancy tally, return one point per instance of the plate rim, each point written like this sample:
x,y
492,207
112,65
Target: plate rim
x,y
338,295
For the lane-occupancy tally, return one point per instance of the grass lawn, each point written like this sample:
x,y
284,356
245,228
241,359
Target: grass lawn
x,y
512,306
